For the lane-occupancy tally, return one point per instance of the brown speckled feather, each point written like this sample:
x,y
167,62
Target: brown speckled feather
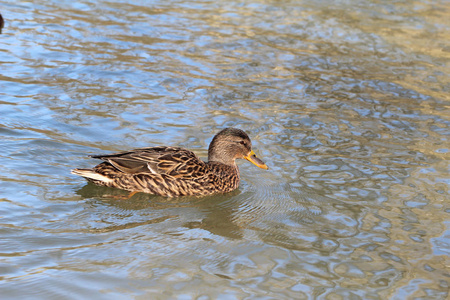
x,y
174,161
174,171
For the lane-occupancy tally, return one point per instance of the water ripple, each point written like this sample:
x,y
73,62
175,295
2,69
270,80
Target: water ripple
x,y
346,101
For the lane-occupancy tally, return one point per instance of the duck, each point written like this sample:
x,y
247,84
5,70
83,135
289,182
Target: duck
x,y
174,171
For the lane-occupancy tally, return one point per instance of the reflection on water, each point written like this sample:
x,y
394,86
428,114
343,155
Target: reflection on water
x,y
346,101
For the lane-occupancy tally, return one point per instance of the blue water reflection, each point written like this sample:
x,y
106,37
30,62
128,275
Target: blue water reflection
x,y
346,101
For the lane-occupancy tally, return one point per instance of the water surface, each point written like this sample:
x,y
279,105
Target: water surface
x,y
346,101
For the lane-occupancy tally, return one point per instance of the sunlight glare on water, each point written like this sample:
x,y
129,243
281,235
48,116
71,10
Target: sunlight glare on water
x,y
346,101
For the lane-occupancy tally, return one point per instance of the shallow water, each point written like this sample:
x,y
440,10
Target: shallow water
x,y
346,101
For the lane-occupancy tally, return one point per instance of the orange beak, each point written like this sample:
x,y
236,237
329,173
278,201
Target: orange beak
x,y
251,157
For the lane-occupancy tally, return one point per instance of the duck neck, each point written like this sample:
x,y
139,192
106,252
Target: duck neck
x,y
226,173
213,157
224,156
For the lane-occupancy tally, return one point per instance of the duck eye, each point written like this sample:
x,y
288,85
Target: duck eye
x,y
242,143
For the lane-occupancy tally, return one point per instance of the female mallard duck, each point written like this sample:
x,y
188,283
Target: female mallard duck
x,y
174,171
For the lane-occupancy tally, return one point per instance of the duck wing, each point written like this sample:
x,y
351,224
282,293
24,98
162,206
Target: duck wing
x,y
174,161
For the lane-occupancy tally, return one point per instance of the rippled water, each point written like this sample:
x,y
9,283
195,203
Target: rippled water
x,y
347,102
